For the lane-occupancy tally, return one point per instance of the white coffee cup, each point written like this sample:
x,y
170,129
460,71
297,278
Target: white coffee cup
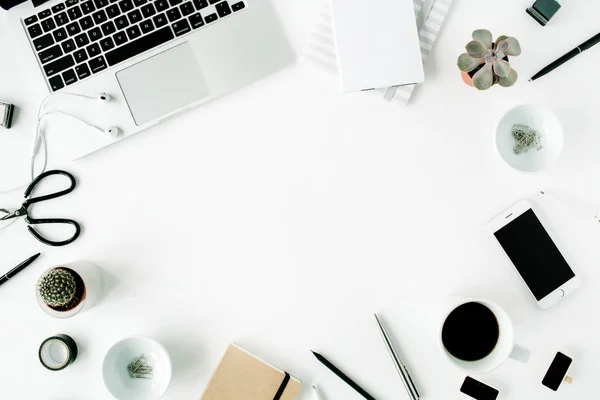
x,y
505,347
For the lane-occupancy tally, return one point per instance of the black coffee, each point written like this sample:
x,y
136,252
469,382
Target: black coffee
x,y
470,332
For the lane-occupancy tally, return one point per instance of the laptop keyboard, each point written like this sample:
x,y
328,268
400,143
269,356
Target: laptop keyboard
x,y
77,39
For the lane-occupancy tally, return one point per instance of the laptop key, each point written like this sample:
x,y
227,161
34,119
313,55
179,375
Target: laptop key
x,y
82,71
173,14
126,5
120,38
139,3
160,20
58,8
74,13
107,44
93,50
56,83
69,77
174,3
161,5
196,21
148,11
211,18
214,1
88,7
147,26
70,3
140,45
68,46
80,56
200,4
48,24
121,22
223,9
113,11
186,8
97,64
35,31
238,6
100,3
43,41
73,28
108,28
181,27
61,19
133,32
99,17
82,40
50,54
135,16
44,14
30,20
86,23
60,34
59,65
95,34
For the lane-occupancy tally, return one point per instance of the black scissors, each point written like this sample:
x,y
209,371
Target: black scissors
x,y
24,210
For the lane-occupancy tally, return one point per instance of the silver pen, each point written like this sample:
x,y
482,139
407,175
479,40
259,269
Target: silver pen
x,y
400,367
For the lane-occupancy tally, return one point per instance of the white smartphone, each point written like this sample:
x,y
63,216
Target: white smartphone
x,y
534,251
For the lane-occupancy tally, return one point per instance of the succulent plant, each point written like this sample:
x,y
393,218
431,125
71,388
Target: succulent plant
x,y
59,288
489,61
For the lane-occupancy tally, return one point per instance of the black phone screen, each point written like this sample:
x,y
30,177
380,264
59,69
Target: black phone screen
x,y
478,390
557,371
534,254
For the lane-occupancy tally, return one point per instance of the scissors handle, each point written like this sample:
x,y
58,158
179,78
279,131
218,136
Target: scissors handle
x,y
39,178
33,221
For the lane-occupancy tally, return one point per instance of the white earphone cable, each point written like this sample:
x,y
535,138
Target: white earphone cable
x,y
40,137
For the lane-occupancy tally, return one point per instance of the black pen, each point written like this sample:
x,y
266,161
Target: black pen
x,y
575,52
6,277
343,376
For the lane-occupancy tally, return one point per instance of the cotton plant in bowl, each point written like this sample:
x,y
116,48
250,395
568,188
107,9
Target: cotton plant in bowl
x,y
486,61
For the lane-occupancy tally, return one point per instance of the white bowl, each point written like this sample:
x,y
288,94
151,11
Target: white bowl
x,y
540,119
117,379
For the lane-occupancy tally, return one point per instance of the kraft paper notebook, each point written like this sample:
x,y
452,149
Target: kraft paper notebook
x,y
241,376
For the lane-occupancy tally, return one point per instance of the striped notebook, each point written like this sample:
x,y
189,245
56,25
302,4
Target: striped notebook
x,y
322,53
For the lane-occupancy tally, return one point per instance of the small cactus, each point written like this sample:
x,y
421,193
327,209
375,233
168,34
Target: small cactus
x,y
489,61
59,288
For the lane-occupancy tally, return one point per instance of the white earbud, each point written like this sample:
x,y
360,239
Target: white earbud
x,y
103,97
112,131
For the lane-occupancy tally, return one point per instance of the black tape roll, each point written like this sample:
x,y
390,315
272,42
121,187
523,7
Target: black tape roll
x,y
57,352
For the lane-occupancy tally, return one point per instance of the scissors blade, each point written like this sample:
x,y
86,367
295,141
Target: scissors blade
x,y
12,214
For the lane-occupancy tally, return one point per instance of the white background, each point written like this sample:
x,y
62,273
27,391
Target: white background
x,y
283,216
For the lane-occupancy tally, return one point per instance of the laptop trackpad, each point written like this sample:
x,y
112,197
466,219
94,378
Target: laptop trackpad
x,y
162,84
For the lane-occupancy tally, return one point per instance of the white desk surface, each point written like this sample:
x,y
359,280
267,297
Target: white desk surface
x,y
283,216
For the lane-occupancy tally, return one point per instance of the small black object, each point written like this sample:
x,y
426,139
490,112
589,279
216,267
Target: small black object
x,y
23,211
478,390
557,371
10,274
64,341
6,114
343,376
543,10
588,44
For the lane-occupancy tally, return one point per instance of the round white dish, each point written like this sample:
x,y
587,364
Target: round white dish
x,y
540,119
117,379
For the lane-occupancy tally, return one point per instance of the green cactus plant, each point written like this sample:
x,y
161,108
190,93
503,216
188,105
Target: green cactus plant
x,y
61,289
487,61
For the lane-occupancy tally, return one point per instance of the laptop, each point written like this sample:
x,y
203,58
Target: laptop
x,y
155,58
